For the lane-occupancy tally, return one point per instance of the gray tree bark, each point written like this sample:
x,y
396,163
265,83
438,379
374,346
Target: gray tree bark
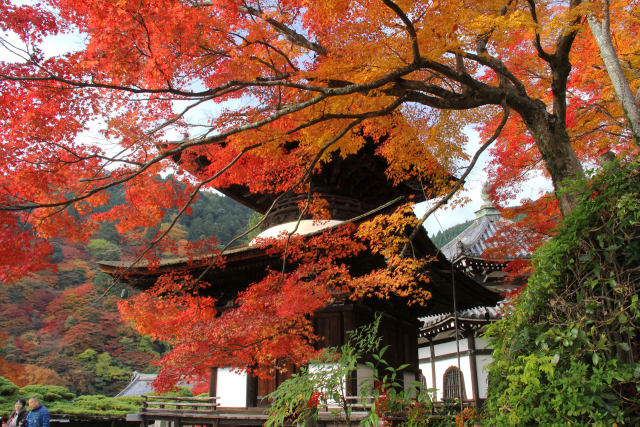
x,y
602,34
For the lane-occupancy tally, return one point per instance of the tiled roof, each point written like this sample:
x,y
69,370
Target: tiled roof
x,y
140,384
446,321
471,241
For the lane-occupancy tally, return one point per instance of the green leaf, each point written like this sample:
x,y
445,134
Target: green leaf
x,y
383,350
403,366
585,257
624,346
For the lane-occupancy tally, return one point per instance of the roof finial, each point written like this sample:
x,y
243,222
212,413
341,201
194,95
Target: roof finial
x,y
487,207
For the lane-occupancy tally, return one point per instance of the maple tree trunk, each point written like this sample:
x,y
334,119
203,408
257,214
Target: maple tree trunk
x,y
602,35
552,139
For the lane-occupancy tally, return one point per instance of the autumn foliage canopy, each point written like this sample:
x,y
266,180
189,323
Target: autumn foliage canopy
x,y
97,94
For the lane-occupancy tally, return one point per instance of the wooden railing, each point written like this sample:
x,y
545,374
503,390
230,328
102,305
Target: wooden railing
x,y
454,406
189,411
172,405
357,403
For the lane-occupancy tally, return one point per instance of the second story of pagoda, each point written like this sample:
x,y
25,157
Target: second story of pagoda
x,y
354,188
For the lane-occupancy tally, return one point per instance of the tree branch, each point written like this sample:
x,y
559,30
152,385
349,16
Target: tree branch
x,y
291,35
499,67
460,181
408,25
537,43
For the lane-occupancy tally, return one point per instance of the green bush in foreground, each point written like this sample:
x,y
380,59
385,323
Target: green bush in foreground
x,y
567,352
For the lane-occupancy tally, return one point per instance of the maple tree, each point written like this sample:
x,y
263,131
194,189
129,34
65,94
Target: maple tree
x,y
259,93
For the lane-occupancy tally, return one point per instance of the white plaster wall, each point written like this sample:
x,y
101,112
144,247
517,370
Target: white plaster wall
x,y
441,368
450,347
232,388
441,349
318,369
442,365
424,352
482,343
364,374
483,375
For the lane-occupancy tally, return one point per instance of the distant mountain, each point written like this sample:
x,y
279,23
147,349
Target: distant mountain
x,y
445,236
62,327
212,215
216,216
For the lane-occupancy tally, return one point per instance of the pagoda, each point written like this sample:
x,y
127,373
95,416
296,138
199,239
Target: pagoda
x,y
353,186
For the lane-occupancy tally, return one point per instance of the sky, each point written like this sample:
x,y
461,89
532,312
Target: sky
x,y
447,216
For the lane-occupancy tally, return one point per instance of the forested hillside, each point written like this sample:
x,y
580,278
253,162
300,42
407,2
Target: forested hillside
x,y
445,236
61,326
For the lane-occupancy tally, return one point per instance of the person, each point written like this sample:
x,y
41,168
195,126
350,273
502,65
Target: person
x,y
38,415
18,416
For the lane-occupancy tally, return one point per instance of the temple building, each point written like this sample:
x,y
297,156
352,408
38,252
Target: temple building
x,y
140,384
453,354
353,187
467,250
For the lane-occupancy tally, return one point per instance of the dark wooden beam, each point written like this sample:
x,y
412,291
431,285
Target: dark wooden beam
x,y
213,381
252,391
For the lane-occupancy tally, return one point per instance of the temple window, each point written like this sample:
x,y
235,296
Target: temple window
x,y
453,382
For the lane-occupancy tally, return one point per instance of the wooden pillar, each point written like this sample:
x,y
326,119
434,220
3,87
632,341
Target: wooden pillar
x,y
433,368
471,340
352,383
213,381
252,390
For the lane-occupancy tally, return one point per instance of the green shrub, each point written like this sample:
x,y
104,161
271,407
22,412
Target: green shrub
x,y
59,400
7,388
47,393
9,393
566,352
100,405
177,392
